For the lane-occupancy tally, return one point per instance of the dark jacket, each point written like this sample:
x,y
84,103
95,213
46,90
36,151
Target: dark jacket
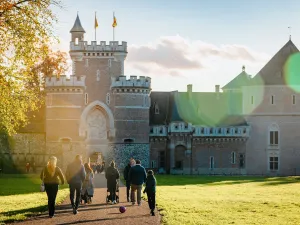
x,y
137,175
48,179
112,175
75,173
126,171
150,184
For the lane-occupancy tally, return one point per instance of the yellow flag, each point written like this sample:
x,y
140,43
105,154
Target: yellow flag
x,y
96,22
115,22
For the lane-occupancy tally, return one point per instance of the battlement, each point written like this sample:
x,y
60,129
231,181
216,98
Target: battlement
x,y
133,81
113,46
63,80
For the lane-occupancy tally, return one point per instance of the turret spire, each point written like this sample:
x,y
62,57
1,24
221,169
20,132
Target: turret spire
x,y
77,26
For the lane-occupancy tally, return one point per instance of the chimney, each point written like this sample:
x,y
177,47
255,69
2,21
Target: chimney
x,y
217,88
189,89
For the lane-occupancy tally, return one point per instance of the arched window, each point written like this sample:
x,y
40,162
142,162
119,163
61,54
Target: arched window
x,y
128,140
86,99
233,157
273,135
76,41
108,98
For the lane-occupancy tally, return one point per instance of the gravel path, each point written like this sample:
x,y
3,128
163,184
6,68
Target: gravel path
x,y
99,212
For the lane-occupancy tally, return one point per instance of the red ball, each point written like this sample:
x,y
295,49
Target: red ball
x,y
122,209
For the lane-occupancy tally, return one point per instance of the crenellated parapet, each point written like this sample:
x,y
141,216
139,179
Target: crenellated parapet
x,y
102,46
64,81
132,83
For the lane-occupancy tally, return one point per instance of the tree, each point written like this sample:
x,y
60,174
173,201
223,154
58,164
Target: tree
x,y
25,27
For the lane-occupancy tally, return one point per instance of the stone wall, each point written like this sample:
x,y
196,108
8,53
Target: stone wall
x,y
123,152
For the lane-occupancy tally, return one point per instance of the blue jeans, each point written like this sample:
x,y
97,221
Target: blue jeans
x,y
75,187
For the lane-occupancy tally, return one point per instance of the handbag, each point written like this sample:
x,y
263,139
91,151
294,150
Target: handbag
x,y
42,187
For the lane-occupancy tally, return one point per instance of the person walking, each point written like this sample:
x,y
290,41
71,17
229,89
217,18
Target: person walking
x,y
51,175
112,175
150,189
137,176
88,186
126,172
75,176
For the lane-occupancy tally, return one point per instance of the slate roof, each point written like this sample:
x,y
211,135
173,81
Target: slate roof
x,y
243,79
198,108
77,26
273,72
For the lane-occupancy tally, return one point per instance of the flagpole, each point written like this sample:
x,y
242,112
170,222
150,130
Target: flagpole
x,y
113,27
95,27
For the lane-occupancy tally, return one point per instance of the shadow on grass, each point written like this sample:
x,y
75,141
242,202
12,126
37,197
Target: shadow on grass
x,y
13,184
26,212
181,180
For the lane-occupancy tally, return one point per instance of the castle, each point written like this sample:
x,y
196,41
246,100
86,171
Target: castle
x,y
250,128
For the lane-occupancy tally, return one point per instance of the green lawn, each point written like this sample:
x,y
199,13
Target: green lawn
x,y
20,197
228,200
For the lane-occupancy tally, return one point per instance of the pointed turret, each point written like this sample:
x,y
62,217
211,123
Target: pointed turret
x,y
77,31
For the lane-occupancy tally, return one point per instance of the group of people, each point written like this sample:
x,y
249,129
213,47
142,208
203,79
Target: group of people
x,y
135,176
80,179
97,167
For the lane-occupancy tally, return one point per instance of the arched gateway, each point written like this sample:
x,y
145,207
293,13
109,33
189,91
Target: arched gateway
x,y
97,129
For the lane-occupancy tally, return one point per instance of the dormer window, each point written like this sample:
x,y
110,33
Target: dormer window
x,y
156,109
98,75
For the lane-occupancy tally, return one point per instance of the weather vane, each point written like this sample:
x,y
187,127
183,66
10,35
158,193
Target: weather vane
x,y
290,28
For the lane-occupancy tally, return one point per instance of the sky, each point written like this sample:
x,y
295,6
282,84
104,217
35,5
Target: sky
x,y
176,43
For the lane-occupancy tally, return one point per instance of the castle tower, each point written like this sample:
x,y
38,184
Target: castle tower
x,y
64,102
131,112
99,62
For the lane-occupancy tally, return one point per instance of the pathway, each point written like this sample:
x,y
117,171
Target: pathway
x,y
99,212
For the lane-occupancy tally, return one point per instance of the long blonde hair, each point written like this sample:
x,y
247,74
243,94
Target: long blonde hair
x,y
51,165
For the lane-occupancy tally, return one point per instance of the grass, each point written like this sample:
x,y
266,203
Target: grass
x,y
20,197
228,200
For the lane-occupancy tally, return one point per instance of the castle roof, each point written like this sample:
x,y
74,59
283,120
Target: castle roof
x,y
198,108
273,72
77,26
243,79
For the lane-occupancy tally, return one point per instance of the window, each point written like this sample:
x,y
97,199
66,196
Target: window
x,y
153,164
98,75
109,63
233,154
86,99
273,137
76,41
178,165
87,62
242,160
273,163
156,109
49,99
272,99
294,99
252,99
128,140
162,159
212,162
107,98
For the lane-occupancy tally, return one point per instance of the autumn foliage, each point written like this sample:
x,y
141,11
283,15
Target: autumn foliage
x,y
26,34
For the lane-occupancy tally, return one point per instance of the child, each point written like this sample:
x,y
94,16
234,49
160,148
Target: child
x,y
150,189
88,187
